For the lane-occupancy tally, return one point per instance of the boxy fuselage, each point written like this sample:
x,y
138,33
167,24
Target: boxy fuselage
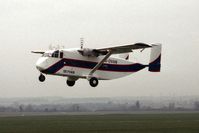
x,y
70,63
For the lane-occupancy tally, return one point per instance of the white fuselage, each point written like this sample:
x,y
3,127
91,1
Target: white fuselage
x,y
73,65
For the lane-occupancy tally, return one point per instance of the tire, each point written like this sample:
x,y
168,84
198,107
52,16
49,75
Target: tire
x,y
93,82
70,83
42,78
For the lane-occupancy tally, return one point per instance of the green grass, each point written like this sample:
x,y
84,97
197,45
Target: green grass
x,y
132,123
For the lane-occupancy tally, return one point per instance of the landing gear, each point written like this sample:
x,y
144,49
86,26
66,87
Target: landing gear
x,y
42,78
70,83
93,82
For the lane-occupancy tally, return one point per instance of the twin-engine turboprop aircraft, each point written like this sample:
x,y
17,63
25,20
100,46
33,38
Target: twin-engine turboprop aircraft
x,y
95,64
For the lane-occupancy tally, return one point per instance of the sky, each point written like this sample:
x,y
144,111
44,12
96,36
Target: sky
x,y
27,25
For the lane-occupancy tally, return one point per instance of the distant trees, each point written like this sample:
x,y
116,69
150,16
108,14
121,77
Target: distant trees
x,y
75,108
101,106
20,108
171,106
196,105
137,105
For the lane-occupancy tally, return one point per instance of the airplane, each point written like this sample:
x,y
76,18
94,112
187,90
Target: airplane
x,y
95,64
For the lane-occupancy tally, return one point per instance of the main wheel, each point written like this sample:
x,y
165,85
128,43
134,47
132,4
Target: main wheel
x,y
70,83
93,82
42,78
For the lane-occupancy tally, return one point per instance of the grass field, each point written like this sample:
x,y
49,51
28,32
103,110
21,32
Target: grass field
x,y
132,123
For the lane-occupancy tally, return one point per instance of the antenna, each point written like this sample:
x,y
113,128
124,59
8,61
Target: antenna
x,y
81,43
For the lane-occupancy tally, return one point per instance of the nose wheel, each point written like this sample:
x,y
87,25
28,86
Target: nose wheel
x,y
42,78
70,83
93,82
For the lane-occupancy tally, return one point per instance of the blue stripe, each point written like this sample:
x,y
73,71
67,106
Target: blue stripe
x,y
90,65
155,65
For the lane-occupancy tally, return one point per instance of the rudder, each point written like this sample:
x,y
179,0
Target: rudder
x,y
155,58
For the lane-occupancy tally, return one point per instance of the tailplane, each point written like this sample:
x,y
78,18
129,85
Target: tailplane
x,y
155,58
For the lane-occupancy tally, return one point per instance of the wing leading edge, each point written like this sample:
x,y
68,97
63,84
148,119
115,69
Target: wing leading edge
x,y
122,49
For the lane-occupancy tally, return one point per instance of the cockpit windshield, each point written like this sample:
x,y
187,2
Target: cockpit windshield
x,y
55,54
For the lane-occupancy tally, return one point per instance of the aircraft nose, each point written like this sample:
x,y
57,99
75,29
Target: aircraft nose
x,y
40,64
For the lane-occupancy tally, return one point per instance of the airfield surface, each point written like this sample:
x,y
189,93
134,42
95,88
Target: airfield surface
x,y
103,123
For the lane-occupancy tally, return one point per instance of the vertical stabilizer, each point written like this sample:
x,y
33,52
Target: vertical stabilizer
x,y
155,58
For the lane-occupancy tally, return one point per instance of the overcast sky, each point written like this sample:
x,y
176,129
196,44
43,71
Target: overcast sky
x,y
27,25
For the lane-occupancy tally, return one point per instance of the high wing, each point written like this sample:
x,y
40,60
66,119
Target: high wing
x,y
122,49
115,50
38,52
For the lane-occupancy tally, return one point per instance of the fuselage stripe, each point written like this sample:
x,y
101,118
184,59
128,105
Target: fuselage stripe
x,y
90,65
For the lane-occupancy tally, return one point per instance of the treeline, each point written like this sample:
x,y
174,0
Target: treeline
x,y
92,107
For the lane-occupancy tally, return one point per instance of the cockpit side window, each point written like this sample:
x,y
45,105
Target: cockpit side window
x,y
61,54
55,54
